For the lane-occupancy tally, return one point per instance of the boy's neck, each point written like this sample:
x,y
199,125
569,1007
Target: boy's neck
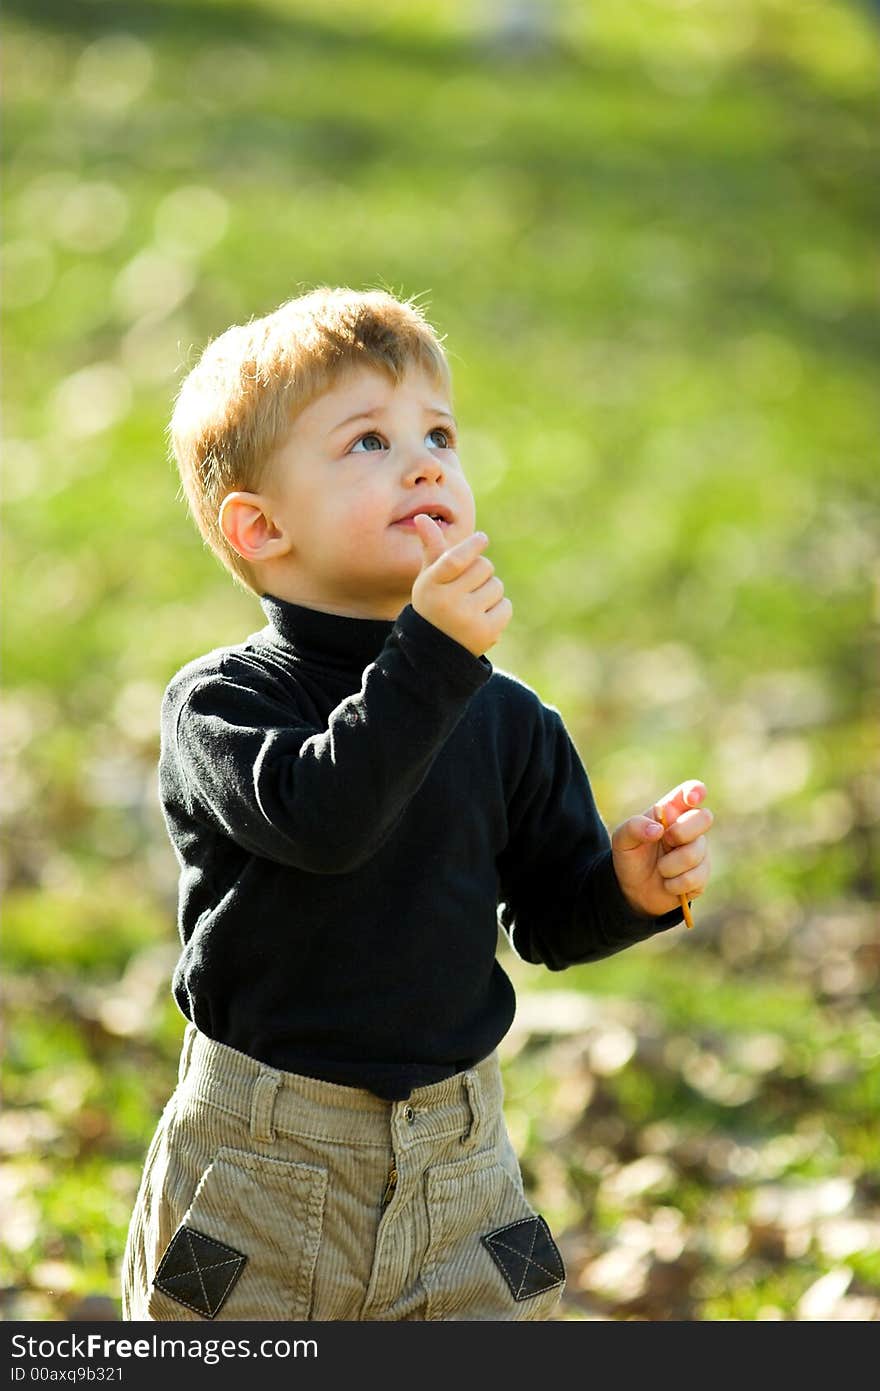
x,y
342,607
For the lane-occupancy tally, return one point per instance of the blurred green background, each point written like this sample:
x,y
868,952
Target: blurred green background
x,y
648,231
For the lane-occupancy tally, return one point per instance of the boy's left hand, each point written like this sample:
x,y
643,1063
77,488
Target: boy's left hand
x,y
655,865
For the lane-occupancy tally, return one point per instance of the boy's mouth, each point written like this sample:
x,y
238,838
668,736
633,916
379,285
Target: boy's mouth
x,y
410,523
438,513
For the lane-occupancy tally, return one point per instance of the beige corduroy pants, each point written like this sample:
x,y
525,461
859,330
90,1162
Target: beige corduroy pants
x,y
269,1195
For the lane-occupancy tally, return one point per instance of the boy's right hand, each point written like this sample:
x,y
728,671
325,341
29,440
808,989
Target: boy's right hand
x,y
457,589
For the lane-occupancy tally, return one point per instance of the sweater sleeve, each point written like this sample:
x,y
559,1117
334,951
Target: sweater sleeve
x,y
321,799
561,903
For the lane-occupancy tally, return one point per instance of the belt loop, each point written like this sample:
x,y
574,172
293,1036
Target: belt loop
x,y
263,1105
474,1096
189,1037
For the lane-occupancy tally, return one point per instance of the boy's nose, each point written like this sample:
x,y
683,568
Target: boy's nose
x,y
424,465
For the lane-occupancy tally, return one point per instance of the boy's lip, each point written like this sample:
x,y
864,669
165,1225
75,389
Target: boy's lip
x,y
437,510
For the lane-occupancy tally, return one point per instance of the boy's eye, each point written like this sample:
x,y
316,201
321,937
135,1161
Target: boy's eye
x,y
371,442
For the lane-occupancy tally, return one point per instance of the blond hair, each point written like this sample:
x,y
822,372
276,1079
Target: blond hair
x,y
237,404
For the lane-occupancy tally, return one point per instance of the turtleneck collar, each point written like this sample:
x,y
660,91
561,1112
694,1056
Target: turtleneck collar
x,y
326,639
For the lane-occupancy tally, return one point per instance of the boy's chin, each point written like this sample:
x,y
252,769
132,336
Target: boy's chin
x,y
393,599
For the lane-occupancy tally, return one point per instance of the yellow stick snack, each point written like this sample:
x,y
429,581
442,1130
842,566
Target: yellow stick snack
x,y
682,898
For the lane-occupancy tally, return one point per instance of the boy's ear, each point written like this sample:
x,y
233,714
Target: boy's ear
x,y
249,529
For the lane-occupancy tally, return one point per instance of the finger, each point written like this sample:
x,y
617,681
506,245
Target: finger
x,y
501,612
477,574
682,860
692,883
431,537
629,835
494,621
489,594
456,560
672,804
689,826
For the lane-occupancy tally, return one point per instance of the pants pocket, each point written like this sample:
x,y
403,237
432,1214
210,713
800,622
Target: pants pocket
x,y
246,1246
490,1255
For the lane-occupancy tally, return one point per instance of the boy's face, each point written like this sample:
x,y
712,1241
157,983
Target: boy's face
x,y
357,460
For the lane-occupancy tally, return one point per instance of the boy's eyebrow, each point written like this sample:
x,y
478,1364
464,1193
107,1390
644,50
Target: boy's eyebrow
x,y
380,410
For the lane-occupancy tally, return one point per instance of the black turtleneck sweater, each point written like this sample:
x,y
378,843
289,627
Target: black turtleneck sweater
x,y
355,805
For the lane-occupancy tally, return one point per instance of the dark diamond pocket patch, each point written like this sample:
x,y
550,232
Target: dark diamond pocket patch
x,y
198,1271
527,1256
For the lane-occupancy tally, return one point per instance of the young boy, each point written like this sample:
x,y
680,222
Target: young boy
x,y
357,799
